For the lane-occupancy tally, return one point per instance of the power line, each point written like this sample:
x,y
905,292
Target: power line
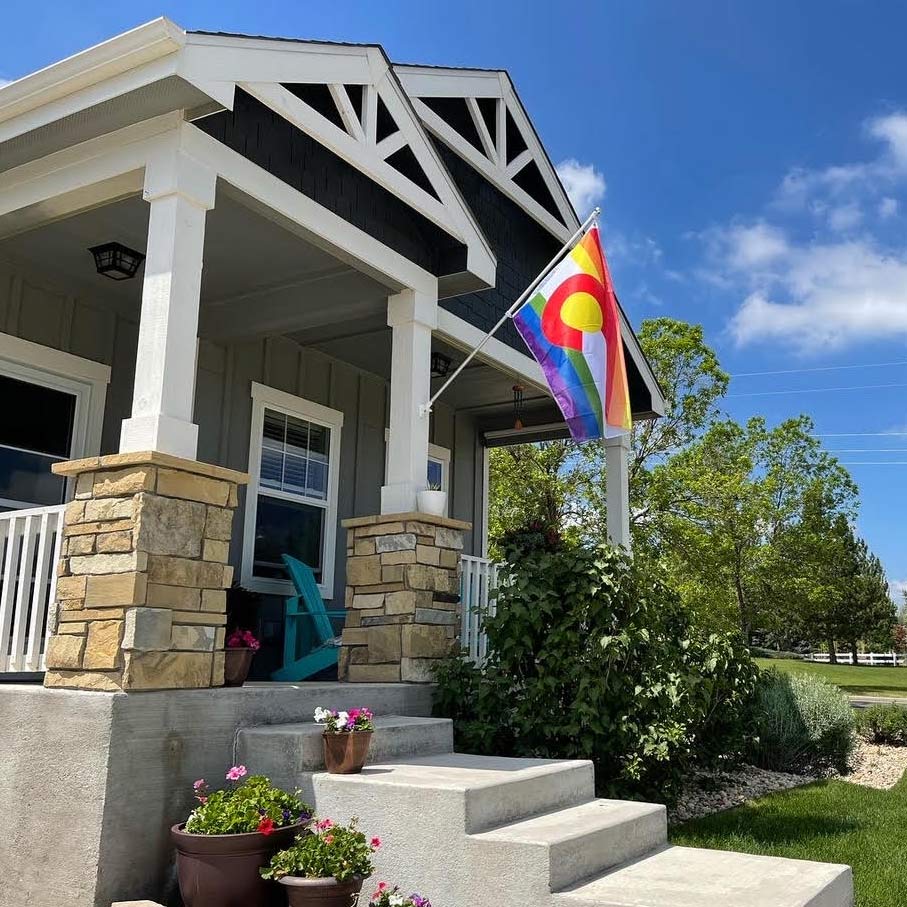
x,y
860,434
838,450
818,390
877,463
818,368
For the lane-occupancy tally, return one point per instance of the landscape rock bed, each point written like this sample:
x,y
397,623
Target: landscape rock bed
x,y
712,792
874,765
877,765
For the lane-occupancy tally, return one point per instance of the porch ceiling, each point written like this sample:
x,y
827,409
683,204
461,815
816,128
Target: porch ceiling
x,y
258,277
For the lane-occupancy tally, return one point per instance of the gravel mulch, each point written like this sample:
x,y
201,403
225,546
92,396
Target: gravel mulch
x,y
711,792
878,766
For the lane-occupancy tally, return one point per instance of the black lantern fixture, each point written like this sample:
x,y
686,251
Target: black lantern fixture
x,y
116,261
440,365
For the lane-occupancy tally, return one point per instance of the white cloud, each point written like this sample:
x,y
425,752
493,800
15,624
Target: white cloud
x,y
754,246
888,207
892,130
826,295
842,218
896,589
584,185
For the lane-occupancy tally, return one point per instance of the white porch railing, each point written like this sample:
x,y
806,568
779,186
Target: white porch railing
x,y
478,579
874,659
29,550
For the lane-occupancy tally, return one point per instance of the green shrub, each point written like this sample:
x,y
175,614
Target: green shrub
x,y
593,657
758,652
801,723
883,724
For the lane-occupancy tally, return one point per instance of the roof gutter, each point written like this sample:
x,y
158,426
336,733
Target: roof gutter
x,y
151,41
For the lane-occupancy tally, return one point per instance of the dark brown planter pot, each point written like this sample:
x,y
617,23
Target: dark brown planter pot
x,y
321,892
345,753
222,870
237,662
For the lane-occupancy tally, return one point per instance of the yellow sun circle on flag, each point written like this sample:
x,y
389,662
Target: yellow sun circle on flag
x,y
582,312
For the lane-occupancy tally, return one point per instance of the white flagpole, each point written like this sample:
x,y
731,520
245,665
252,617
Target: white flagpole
x,y
425,408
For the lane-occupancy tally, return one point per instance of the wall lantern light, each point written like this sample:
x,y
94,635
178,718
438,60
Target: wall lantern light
x,y
440,365
116,261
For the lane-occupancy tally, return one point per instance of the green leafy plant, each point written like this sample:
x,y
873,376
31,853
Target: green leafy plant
x,y
883,724
385,896
249,805
334,851
592,656
341,722
801,723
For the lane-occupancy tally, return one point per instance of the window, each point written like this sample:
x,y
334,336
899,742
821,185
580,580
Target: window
x,y
291,505
53,407
438,469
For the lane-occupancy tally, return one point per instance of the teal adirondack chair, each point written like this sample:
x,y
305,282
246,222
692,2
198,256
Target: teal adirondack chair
x,y
308,605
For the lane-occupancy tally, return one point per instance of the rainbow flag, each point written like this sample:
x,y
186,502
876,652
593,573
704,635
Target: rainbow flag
x,y
572,326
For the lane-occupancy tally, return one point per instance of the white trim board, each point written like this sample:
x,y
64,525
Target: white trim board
x,y
85,379
264,397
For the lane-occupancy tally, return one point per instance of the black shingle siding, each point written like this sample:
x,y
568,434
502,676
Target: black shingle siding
x,y
267,139
522,248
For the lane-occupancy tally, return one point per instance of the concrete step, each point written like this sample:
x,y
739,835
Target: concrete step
x,y
289,753
691,877
580,841
477,793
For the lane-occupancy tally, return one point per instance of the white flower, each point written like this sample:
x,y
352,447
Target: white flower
x,y
321,715
396,900
342,718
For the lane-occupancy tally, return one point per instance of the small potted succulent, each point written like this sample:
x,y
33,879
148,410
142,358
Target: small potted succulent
x,y
347,736
432,500
385,896
325,868
241,647
230,835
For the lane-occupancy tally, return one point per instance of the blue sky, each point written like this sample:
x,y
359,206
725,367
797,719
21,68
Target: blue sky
x,y
751,160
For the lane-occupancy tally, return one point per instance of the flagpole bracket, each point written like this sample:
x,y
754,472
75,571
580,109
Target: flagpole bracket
x,y
424,409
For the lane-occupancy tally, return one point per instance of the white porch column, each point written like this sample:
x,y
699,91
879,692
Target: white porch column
x,y
412,315
617,490
180,191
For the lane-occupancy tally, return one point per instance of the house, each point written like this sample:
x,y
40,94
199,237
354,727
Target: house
x,y
326,234
233,271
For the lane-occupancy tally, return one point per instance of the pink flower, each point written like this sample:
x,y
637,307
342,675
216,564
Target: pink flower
x,y
237,772
328,839
266,826
202,799
375,842
324,824
198,785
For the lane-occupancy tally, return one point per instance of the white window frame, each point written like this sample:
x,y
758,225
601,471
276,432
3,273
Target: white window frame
x,y
85,379
264,397
439,455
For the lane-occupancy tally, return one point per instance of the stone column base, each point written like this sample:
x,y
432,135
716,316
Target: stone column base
x,y
402,596
140,600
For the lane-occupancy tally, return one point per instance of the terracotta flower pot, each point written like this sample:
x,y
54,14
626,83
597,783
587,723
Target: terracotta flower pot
x,y
237,662
345,753
222,870
321,892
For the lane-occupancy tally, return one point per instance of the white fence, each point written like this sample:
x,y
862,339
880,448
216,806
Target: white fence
x,y
29,550
478,579
875,659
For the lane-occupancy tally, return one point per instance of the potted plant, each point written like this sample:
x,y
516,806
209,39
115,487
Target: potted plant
x,y
230,835
432,500
241,647
385,896
346,739
326,868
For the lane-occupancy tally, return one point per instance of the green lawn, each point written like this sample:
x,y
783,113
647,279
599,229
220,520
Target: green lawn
x,y
852,680
830,821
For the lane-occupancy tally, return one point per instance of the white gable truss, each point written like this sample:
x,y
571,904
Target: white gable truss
x,y
346,97
479,115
